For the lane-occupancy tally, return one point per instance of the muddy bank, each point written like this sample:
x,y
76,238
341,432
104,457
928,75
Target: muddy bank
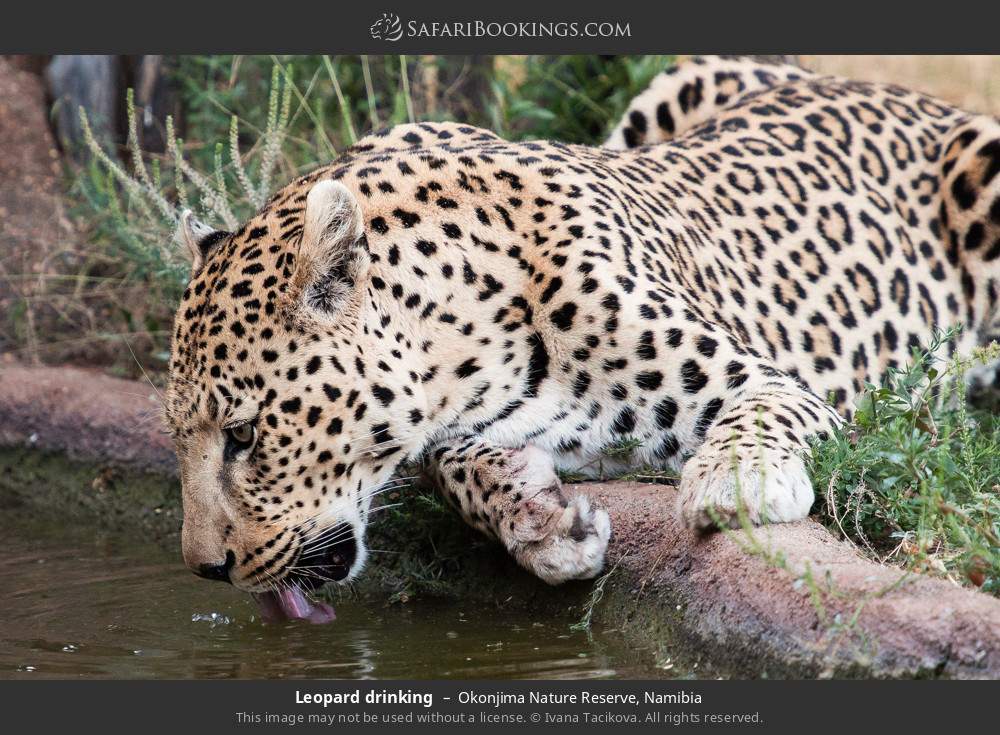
x,y
788,600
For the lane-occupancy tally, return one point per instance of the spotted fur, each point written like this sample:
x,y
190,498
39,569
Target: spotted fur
x,y
500,309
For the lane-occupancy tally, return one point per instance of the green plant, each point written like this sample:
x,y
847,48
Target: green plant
x,y
623,448
144,201
416,515
594,599
914,478
574,99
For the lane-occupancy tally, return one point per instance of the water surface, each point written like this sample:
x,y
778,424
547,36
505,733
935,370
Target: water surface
x,y
73,605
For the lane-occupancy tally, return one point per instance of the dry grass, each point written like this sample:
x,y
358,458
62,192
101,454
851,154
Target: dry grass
x,y
971,82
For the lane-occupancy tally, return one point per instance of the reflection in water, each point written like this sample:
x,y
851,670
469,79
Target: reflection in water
x,y
88,608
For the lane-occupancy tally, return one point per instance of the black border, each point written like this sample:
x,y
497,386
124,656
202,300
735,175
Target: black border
x,y
334,26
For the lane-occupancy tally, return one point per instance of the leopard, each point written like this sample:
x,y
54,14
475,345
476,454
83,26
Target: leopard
x,y
715,285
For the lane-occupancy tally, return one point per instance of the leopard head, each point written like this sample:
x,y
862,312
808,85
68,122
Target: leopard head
x,y
287,385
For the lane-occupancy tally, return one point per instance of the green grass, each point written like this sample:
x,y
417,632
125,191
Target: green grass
x,y
618,452
574,99
426,563
914,478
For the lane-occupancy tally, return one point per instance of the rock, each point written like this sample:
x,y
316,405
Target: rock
x,y
36,238
91,82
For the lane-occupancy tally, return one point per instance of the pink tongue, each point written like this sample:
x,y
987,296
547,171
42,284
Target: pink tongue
x,y
290,603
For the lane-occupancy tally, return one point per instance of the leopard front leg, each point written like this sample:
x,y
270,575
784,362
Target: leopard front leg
x,y
751,465
515,496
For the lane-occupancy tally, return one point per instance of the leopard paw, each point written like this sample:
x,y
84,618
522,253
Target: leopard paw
x,y
717,489
573,546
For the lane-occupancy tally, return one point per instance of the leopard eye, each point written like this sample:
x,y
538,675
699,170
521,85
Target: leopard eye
x,y
240,438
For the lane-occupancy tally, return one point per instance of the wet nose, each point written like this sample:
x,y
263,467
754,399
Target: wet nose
x,y
328,558
218,572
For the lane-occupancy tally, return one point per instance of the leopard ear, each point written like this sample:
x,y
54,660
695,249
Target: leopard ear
x,y
333,254
200,239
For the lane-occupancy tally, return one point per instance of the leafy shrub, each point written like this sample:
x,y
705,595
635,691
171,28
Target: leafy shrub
x,y
915,477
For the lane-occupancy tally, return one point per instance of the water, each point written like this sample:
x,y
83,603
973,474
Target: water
x,y
76,606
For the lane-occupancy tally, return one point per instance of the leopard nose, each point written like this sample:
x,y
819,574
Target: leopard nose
x,y
218,572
